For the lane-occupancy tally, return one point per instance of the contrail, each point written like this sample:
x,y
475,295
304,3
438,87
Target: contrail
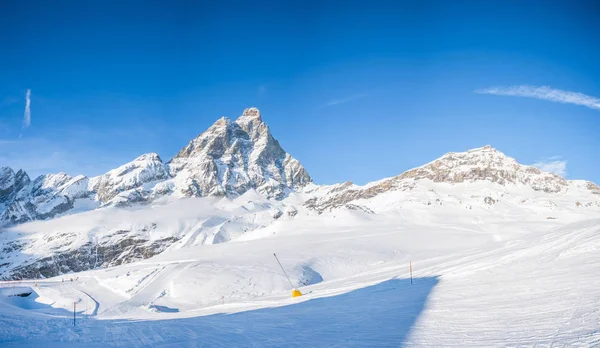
x,y
27,113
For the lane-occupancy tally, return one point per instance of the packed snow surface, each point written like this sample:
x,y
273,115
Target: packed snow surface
x,y
510,281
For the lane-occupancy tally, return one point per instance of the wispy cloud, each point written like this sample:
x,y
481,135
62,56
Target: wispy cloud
x,y
553,164
27,113
545,93
345,100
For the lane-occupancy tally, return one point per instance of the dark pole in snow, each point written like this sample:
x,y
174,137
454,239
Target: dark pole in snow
x,y
288,278
74,306
411,272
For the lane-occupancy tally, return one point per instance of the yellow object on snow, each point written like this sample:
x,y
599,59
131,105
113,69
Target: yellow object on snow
x,y
296,293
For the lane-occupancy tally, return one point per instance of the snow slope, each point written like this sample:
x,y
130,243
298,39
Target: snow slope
x,y
535,285
112,236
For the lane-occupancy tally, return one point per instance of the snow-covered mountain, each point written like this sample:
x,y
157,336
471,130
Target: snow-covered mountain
x,y
232,157
129,182
238,179
22,199
228,159
459,171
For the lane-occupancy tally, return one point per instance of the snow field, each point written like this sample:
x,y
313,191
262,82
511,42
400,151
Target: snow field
x,y
471,289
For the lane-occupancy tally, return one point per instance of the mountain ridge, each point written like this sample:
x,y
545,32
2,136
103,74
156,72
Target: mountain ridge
x,y
227,159
233,156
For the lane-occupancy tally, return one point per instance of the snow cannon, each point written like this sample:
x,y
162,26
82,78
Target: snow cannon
x,y
295,292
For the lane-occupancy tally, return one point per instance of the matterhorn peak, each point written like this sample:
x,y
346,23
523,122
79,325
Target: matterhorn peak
x,y
231,158
251,123
251,112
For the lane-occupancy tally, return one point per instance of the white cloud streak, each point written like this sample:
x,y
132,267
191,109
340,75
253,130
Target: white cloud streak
x,y
27,113
345,100
552,165
545,93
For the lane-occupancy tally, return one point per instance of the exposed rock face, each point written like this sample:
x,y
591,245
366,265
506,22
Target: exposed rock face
x,y
489,200
595,189
90,256
232,157
7,183
49,195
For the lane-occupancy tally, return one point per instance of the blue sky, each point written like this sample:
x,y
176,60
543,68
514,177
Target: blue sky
x,y
356,92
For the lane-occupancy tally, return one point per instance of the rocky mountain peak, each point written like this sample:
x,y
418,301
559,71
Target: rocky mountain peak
x,y
210,140
485,163
232,157
486,154
251,113
11,183
251,123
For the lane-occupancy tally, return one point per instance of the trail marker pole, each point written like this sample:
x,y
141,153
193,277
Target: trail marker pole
x,y
74,307
411,272
288,278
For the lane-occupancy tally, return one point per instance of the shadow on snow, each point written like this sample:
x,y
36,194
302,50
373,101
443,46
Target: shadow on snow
x,y
381,315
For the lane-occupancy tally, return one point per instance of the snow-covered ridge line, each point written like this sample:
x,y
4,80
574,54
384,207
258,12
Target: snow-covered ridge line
x,y
228,159
234,156
484,164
